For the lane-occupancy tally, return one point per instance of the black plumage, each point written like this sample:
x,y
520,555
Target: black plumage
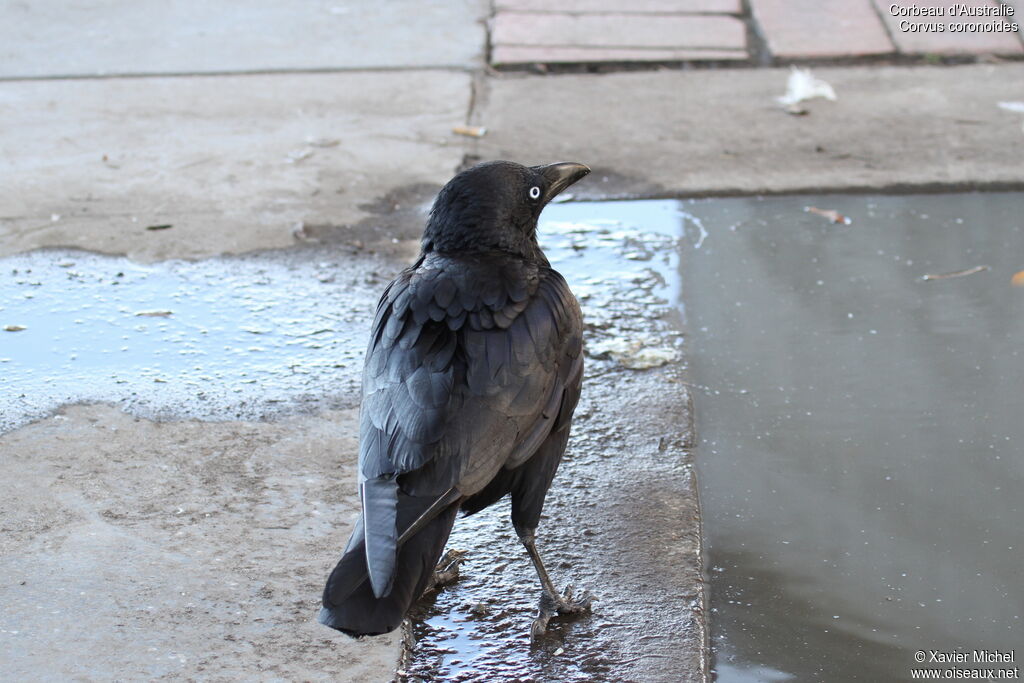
x,y
472,374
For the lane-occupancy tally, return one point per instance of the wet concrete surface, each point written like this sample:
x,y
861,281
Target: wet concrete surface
x,y
269,346
182,530
621,518
859,431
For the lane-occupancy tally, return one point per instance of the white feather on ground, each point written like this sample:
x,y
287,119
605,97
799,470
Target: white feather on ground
x,y
803,85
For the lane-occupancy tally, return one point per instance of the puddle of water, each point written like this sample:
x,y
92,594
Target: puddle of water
x,y
860,431
594,243
215,339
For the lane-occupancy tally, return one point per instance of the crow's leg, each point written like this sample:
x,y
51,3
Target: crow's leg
x,y
552,603
528,492
447,571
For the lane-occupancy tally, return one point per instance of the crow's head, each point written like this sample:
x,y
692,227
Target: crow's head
x,y
494,207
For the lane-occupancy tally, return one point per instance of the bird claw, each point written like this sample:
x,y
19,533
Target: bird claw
x,y
552,606
447,571
578,606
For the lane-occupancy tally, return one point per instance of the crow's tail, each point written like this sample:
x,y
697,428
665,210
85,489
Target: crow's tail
x,y
349,604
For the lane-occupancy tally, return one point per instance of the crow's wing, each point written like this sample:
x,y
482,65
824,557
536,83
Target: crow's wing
x,y
468,364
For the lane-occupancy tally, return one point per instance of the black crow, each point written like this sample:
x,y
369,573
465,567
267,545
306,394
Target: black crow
x,y
472,374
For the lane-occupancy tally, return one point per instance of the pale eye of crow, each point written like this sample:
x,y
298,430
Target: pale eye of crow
x,y
534,192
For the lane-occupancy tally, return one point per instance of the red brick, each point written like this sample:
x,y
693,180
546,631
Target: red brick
x,y
821,28
948,42
616,31
516,54
621,7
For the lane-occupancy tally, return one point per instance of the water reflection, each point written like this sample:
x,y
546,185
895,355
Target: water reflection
x,y
215,339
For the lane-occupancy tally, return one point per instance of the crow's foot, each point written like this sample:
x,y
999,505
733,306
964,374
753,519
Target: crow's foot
x,y
447,571
552,606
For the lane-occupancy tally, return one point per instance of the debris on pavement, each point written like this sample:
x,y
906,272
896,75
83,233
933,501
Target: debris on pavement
x,y
635,354
1018,279
470,131
298,155
162,226
153,314
1017,107
323,143
698,223
14,328
830,214
803,85
956,273
301,232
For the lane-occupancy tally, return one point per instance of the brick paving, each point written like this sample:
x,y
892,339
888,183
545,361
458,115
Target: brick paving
x,y
804,29
604,31
620,7
601,37
523,54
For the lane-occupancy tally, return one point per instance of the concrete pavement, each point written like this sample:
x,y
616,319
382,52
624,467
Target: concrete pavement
x,y
342,134
721,132
236,163
67,39
233,163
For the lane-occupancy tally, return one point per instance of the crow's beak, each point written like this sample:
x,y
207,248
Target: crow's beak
x,y
560,176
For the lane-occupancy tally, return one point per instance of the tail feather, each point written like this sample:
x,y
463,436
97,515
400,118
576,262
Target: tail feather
x,y
349,604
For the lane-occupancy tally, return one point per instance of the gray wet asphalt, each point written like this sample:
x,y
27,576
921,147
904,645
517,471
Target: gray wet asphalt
x,y
860,432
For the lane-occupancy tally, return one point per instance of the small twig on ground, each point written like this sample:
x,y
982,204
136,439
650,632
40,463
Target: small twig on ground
x,y
958,273
830,214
